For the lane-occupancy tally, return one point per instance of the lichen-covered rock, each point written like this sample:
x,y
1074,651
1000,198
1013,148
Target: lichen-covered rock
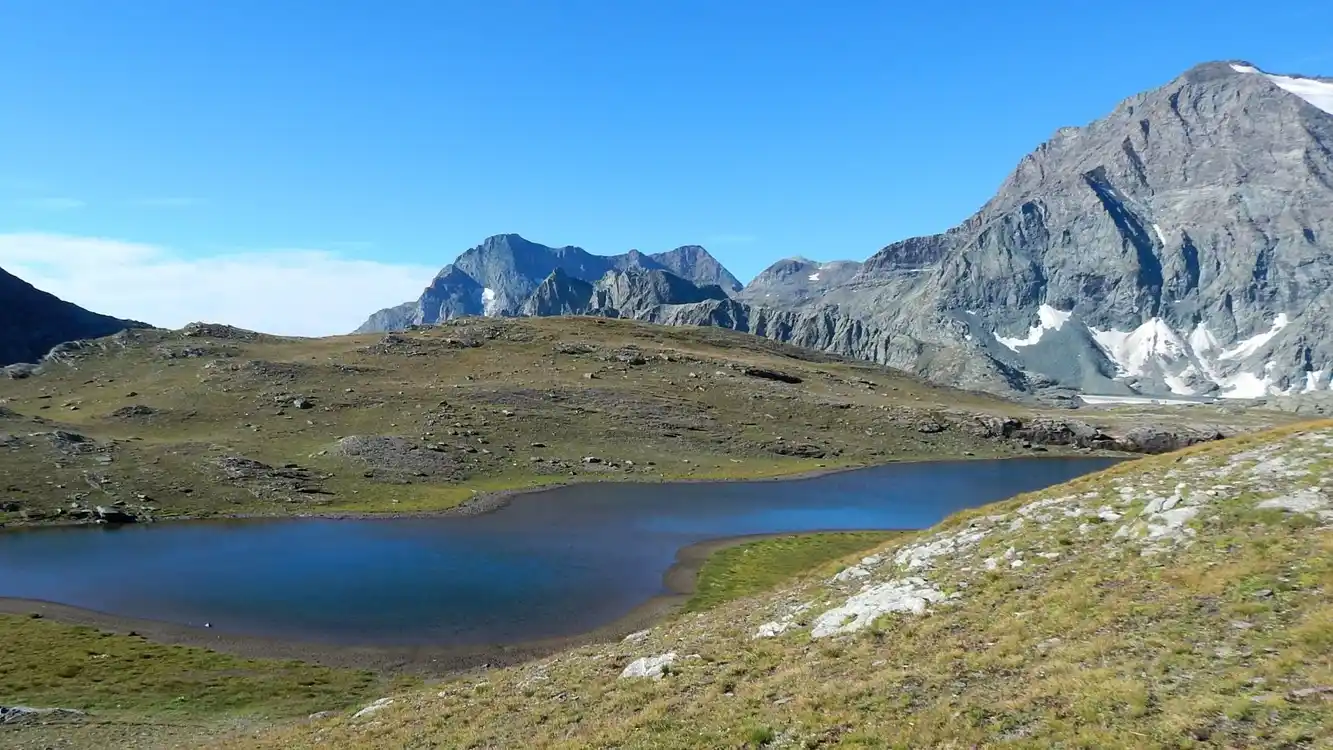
x,y
650,667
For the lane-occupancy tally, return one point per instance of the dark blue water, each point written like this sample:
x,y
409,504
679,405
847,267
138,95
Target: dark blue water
x,y
554,563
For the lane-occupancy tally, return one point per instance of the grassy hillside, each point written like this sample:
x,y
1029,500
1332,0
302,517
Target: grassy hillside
x,y
213,420
1177,601
216,421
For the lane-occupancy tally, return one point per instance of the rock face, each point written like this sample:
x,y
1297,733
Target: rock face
x,y
499,276
633,294
694,263
1181,245
559,294
33,322
797,281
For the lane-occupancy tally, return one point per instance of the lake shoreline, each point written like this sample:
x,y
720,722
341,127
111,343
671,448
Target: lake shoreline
x,y
495,500
425,661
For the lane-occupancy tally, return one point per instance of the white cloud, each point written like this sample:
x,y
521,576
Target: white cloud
x,y
292,292
54,204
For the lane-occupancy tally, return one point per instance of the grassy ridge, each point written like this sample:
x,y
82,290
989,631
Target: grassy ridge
x,y
754,567
45,663
1055,628
164,421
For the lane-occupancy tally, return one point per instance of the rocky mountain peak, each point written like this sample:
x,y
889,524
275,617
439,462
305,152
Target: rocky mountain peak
x,y
1182,245
695,263
501,275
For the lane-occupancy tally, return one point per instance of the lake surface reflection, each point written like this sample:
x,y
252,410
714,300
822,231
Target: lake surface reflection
x,y
553,563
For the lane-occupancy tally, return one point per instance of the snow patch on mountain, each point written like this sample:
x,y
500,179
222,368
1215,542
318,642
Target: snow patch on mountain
x,y
1254,343
1048,319
1313,380
1132,351
1245,385
488,305
1195,364
1316,92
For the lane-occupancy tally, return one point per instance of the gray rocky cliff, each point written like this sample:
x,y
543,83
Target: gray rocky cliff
x,y
795,282
632,294
1180,245
499,276
694,263
559,294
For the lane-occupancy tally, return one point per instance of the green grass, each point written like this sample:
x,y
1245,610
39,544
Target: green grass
x,y
45,663
755,567
1224,641
683,410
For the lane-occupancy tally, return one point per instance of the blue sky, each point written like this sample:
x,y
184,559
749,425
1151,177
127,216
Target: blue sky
x,y
386,137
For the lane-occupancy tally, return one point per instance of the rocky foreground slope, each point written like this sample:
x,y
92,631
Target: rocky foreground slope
x,y
1176,601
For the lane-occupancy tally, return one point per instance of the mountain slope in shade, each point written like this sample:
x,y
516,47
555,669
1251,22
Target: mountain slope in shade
x,y
32,322
499,276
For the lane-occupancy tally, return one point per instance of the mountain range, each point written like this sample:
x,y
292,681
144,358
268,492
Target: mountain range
x,y
1179,246
498,276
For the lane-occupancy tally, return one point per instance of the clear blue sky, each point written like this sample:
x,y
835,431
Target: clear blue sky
x,y
407,131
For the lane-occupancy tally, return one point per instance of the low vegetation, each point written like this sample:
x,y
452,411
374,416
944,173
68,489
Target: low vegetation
x,y
754,567
1176,601
45,663
1091,647
215,421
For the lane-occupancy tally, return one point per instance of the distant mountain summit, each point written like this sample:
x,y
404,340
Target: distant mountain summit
x,y
1181,245
498,277
33,322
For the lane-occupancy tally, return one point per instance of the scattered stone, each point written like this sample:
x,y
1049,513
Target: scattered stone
x,y
133,411
1324,691
800,450
20,371
108,514
375,707
218,331
775,375
649,667
27,715
910,595
395,458
1310,501
637,636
